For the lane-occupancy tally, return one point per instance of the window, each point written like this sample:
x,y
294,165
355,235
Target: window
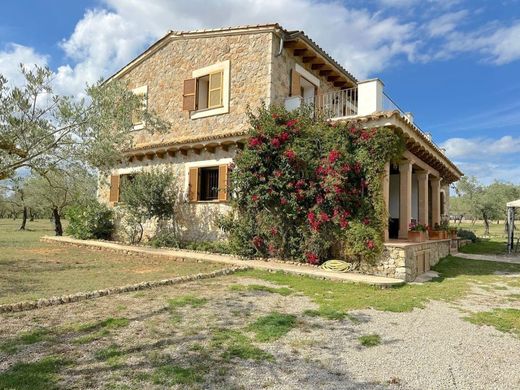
x,y
206,184
207,92
137,115
117,183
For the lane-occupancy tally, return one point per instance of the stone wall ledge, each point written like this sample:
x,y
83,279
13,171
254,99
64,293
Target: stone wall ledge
x,y
407,244
81,296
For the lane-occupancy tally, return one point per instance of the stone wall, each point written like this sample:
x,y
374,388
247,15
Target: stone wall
x,y
164,73
281,74
195,221
406,261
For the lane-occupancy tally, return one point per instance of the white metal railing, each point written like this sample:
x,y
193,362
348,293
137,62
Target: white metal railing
x,y
335,104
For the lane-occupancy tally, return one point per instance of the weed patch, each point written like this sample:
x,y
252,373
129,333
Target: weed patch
x,y
258,287
505,320
370,340
186,300
237,345
39,375
273,326
28,338
170,375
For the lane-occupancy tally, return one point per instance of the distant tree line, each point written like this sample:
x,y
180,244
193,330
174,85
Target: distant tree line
x,y
477,201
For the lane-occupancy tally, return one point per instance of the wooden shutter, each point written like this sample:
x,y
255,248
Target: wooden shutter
x,y
114,188
223,183
215,89
295,83
193,188
189,95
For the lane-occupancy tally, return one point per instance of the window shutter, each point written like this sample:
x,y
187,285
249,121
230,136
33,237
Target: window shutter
x,y
114,188
193,184
189,94
215,89
223,183
295,83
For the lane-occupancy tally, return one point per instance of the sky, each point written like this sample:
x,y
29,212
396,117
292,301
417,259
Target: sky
x,y
455,64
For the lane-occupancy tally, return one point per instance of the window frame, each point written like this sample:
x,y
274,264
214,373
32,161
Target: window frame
x,y
204,164
204,187
223,108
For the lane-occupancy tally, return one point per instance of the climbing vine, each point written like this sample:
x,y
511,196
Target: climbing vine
x,y
306,188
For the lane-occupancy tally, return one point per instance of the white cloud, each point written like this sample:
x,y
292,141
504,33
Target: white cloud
x,y
499,45
486,158
362,41
479,148
101,43
445,23
13,56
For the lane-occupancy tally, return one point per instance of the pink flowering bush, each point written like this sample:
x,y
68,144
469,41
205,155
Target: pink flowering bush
x,y
302,183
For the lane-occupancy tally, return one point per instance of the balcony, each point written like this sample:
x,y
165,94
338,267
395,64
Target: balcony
x,y
365,99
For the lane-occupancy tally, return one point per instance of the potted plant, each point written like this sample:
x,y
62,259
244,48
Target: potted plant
x,y
446,229
453,233
417,232
436,233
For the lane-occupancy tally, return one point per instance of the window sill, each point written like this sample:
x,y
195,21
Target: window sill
x,y
209,112
216,201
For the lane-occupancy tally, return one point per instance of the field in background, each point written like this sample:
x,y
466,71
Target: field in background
x,y
30,269
495,243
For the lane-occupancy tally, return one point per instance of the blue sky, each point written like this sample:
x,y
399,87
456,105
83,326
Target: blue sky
x,y
454,63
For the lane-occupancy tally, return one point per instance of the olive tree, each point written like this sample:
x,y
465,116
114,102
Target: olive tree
x,y
149,195
40,129
59,189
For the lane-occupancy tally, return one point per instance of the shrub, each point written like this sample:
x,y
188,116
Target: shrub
x,y
467,235
165,238
302,182
89,221
206,246
150,194
362,242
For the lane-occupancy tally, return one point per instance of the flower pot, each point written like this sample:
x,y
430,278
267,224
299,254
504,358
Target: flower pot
x,y
436,235
417,236
454,235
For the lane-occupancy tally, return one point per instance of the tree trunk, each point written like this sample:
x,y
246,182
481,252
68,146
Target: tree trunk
x,y
486,225
24,218
57,222
31,215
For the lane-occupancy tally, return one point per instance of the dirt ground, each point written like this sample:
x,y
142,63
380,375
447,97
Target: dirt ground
x,y
211,334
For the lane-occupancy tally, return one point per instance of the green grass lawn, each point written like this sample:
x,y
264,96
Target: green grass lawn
x,y
30,269
495,243
336,299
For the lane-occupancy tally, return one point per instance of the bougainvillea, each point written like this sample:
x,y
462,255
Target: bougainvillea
x,y
302,182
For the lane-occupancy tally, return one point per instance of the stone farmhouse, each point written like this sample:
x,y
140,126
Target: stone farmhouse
x,y
203,83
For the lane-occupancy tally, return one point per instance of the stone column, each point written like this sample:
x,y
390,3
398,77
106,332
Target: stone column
x,y
385,187
446,188
405,197
422,179
436,200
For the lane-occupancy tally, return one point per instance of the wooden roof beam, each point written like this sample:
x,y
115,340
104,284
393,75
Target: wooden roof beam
x,y
299,52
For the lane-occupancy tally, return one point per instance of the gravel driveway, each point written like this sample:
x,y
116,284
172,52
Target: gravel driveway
x,y
430,348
